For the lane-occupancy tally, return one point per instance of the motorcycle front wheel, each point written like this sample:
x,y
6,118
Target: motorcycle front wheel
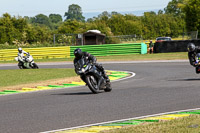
x,y
35,66
92,84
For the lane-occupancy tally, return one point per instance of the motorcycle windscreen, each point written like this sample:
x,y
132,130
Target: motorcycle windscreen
x,y
80,63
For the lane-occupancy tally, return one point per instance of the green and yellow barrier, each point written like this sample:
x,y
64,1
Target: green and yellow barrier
x,y
68,51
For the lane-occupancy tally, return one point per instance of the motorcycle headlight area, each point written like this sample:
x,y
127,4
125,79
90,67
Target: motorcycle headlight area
x,y
83,70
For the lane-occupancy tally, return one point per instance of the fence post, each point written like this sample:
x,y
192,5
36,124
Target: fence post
x,y
143,48
54,39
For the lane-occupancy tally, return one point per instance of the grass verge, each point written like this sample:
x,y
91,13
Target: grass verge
x,y
189,124
33,76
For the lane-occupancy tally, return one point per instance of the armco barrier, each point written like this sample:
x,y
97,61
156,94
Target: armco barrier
x,y
112,49
37,53
67,51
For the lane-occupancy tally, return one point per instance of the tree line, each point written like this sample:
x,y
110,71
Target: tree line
x,y
179,16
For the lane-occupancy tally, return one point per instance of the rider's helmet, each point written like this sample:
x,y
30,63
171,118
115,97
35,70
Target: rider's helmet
x,y
78,53
191,47
20,50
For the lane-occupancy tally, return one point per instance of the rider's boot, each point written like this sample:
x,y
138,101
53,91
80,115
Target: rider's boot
x,y
105,76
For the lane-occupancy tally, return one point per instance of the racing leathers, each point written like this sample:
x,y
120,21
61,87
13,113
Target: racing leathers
x,y
193,55
93,60
21,55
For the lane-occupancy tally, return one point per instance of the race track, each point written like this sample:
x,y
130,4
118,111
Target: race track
x,y
156,88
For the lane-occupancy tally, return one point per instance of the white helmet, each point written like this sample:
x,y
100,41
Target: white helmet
x,y
20,50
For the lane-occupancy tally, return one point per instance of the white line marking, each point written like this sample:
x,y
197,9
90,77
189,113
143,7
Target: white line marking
x,y
132,75
119,120
103,62
151,61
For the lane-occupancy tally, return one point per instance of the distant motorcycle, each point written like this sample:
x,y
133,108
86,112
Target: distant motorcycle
x,y
197,63
90,75
27,62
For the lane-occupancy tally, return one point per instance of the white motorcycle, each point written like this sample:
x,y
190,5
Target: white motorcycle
x,y
26,62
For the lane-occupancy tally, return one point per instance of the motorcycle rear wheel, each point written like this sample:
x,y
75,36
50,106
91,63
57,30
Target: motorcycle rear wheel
x,y
108,87
92,84
21,66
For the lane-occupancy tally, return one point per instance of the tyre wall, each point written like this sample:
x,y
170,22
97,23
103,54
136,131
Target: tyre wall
x,y
173,46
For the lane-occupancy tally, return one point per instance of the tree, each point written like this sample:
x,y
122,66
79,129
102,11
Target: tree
x,y
192,11
11,28
160,12
42,20
74,13
175,8
69,27
55,18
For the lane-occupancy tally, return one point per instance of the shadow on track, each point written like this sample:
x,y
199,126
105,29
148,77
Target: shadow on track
x,y
190,79
76,93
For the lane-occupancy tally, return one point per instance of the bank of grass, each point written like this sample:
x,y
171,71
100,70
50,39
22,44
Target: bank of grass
x,y
189,124
130,57
25,76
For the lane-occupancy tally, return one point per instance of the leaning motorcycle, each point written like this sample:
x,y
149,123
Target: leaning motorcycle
x,y
93,77
27,62
197,63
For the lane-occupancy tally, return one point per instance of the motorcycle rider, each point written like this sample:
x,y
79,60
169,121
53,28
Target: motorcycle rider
x,y
21,53
193,54
79,54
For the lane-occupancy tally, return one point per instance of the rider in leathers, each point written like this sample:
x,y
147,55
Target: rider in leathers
x,y
79,54
21,54
193,54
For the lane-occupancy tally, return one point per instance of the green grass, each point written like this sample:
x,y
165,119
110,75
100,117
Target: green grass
x,y
133,57
19,76
189,124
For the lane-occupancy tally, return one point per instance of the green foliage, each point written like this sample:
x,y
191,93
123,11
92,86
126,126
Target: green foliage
x,y
26,32
74,13
42,20
69,27
55,18
192,11
175,8
11,28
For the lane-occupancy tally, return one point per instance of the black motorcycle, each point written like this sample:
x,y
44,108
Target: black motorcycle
x,y
93,77
197,63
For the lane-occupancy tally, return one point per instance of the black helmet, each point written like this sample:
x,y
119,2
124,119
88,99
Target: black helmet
x,y
20,50
78,53
191,47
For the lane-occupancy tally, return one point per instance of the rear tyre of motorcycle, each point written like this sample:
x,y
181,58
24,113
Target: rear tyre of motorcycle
x,y
108,87
20,65
92,84
35,66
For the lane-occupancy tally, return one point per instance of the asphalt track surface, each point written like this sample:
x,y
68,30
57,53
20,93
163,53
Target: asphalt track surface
x,y
156,88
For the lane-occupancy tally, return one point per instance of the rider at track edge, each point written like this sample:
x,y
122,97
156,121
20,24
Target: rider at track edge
x,y
194,56
21,54
79,54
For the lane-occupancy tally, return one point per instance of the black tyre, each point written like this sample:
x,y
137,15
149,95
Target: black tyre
x,y
108,87
35,66
92,84
20,65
